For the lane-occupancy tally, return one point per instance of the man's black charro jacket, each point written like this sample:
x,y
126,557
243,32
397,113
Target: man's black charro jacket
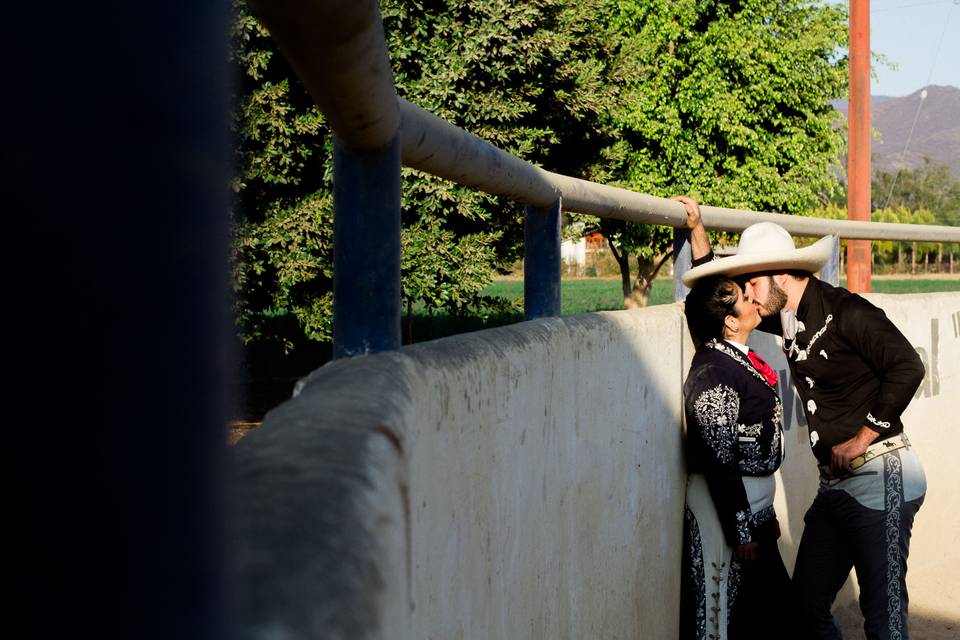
x,y
851,366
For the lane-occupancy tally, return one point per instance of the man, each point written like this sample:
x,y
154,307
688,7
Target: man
x,y
855,373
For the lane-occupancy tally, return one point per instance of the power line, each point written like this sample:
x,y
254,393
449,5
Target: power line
x,y
923,98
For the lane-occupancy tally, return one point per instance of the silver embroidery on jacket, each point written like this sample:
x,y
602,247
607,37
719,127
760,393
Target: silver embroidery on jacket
x,y
743,526
801,354
879,423
723,347
716,410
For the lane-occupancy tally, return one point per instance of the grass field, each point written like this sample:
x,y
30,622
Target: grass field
x,y
270,375
578,296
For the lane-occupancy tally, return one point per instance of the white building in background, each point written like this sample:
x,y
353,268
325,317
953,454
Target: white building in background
x,y
574,253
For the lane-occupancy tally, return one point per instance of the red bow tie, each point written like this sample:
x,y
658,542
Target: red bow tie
x,y
761,365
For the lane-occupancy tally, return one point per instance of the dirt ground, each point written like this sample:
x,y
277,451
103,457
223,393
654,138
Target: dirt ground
x,y
238,429
934,607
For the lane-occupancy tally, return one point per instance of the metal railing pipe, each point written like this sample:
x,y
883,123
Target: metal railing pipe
x,y
338,50
440,148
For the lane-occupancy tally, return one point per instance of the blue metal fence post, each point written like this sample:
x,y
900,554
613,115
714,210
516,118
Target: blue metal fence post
x,y
682,262
831,270
366,250
541,264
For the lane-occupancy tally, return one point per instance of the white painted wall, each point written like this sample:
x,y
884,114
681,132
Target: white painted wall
x,y
521,482
546,480
574,254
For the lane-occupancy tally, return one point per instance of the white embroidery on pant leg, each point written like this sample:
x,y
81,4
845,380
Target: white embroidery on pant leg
x,y
894,505
695,558
733,586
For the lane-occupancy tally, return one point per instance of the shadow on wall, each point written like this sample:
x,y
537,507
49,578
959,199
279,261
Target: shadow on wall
x,y
525,481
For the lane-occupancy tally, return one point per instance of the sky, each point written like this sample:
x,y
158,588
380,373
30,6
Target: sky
x,y
922,37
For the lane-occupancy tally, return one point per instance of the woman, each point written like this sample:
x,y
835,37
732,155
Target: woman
x,y
734,582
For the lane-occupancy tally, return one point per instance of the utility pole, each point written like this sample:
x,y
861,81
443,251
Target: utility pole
x,y
858,156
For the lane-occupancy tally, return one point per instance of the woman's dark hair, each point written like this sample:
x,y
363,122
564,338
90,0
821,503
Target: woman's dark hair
x,y
709,302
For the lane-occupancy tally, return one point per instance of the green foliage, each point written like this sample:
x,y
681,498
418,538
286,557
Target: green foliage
x,y
732,101
282,218
529,77
932,187
891,254
729,102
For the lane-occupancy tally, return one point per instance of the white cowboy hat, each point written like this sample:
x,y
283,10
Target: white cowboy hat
x,y
765,246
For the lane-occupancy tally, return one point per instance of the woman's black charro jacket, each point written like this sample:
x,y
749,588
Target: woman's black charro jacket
x,y
733,429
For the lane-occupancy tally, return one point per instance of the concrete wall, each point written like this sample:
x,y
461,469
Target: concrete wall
x,y
521,482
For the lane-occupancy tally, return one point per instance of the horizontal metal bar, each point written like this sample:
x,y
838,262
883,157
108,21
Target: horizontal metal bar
x,y
435,146
338,50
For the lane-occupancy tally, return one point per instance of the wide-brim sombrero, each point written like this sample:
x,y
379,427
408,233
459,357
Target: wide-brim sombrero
x,y
766,246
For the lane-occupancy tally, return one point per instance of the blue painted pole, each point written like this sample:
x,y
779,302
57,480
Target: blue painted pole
x,y
831,270
682,262
541,265
366,250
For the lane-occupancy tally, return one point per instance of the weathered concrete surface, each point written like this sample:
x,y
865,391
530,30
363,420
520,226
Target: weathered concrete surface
x,y
521,482
546,480
932,324
527,482
321,509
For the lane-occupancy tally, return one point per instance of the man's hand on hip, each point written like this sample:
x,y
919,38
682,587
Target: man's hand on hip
x,y
841,454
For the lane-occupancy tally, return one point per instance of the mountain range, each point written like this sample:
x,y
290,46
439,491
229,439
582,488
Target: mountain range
x,y
936,133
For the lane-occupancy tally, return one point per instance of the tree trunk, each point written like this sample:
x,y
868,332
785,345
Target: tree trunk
x,y
623,261
938,267
926,262
913,258
647,270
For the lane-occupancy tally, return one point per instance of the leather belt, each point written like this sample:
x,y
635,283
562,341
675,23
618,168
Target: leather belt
x,y
899,441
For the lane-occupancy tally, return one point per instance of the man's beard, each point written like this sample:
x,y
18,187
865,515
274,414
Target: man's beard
x,y
776,300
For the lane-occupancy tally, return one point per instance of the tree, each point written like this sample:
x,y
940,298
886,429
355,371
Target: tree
x,y
729,102
931,186
529,77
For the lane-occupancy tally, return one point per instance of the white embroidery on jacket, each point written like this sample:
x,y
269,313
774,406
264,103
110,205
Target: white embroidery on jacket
x,y
716,410
879,423
801,354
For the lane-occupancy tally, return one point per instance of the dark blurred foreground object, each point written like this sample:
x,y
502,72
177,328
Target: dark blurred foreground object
x,y
115,173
